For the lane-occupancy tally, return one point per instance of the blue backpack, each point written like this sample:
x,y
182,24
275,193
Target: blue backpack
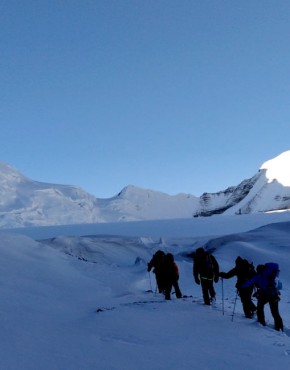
x,y
272,283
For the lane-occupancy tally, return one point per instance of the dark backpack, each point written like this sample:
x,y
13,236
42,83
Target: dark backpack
x,y
245,270
156,261
206,265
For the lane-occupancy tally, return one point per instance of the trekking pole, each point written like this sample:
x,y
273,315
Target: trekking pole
x,y
150,281
235,305
223,296
156,289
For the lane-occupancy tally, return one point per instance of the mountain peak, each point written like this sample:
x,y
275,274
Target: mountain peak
x,y
278,168
132,191
9,175
129,189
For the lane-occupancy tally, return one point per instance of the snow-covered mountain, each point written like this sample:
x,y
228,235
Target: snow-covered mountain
x,y
24,202
266,191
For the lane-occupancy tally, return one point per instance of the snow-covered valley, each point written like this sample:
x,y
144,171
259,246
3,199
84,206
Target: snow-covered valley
x,y
80,300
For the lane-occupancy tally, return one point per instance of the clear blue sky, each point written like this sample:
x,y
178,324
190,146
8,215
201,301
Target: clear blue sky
x,y
175,96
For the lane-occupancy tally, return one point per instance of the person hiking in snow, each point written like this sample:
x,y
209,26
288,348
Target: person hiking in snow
x,y
205,272
244,271
267,292
170,275
155,264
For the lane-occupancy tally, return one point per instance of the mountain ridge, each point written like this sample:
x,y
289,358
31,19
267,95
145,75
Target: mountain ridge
x,y
25,202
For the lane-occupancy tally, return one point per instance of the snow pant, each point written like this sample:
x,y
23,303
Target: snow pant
x,y
208,291
274,307
160,282
168,288
247,303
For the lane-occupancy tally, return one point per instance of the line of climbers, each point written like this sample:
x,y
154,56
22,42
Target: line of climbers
x,y
259,283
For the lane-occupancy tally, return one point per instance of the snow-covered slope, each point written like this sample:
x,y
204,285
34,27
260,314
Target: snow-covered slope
x,y
83,302
134,203
24,202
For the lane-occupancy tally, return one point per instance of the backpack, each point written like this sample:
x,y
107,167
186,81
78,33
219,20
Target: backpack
x,y
156,261
170,268
245,270
206,266
248,269
271,273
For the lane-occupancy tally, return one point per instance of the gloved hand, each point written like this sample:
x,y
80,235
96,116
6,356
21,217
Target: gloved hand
x,y
197,281
222,274
216,279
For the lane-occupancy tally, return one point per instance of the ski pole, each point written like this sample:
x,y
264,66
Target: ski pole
x,y
156,289
235,305
223,296
150,281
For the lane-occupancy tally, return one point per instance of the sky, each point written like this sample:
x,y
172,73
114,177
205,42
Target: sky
x,y
178,97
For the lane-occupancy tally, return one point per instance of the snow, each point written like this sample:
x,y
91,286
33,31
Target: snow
x,y
277,168
27,203
76,297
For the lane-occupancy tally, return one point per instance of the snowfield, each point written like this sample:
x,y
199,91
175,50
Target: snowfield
x,y
74,298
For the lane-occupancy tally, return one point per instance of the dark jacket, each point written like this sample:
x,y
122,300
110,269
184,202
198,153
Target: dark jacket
x,y
205,266
243,270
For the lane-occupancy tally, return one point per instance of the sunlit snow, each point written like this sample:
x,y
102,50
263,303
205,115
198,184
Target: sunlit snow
x,y
278,168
